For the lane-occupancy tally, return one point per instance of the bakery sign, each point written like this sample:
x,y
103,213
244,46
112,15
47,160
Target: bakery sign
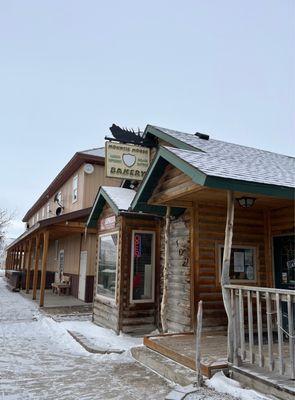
x,y
126,161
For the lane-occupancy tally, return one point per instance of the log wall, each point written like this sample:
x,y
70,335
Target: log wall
x,y
179,274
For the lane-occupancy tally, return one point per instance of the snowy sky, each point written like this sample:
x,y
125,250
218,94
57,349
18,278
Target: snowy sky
x,y
69,69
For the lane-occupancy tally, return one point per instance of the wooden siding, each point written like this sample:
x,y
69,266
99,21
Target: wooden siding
x,y
119,314
88,185
93,182
137,317
205,229
106,311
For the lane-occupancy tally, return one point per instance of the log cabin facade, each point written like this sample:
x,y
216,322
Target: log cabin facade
x,y
194,173
54,243
197,223
214,182
128,263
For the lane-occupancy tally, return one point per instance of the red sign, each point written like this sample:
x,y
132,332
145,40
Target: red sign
x,y
137,246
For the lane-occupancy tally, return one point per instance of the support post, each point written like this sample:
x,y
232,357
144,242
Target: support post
x,y
43,271
20,258
198,343
165,272
28,266
225,280
36,265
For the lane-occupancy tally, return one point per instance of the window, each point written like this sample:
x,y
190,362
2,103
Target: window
x,y
75,189
43,212
33,223
242,263
142,267
59,198
48,210
107,265
37,217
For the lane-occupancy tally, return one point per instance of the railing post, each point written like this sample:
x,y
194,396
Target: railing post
x,y
280,332
269,332
242,326
259,329
291,334
250,326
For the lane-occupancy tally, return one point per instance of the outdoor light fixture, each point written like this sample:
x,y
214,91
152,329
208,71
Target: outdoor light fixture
x,y
246,202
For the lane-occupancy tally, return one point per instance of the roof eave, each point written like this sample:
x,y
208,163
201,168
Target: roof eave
x,y
152,130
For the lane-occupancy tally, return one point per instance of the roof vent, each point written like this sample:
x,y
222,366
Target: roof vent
x,y
202,136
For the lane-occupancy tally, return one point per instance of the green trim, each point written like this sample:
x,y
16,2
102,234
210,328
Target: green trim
x,y
151,130
250,187
101,199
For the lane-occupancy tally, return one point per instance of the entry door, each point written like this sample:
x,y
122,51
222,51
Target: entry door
x,y
82,275
284,261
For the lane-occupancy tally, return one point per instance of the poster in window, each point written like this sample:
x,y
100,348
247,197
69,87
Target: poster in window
x,y
250,273
239,264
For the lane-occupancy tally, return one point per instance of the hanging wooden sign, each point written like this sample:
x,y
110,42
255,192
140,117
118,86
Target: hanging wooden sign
x,y
126,161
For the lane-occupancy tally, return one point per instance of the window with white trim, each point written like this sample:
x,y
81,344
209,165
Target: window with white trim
x,y
43,212
75,189
142,279
107,265
243,266
48,209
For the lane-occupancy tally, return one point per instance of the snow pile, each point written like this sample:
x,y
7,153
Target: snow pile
x,y
222,384
102,337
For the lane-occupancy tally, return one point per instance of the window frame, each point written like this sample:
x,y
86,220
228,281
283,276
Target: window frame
x,y
153,257
48,209
255,260
101,295
75,189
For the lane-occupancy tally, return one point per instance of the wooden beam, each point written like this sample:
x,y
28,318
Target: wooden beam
x,y
175,193
177,203
165,272
225,279
36,265
28,266
43,270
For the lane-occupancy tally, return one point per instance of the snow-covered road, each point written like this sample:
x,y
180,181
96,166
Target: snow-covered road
x,y
40,360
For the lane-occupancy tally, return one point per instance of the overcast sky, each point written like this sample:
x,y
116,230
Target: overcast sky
x,y
69,69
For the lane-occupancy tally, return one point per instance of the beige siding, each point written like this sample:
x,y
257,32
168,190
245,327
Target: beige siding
x,y
88,185
92,183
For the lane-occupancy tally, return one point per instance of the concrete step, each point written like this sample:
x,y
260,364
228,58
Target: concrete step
x,y
164,366
90,347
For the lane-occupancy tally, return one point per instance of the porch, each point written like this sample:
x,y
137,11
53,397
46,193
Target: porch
x,y
35,249
52,300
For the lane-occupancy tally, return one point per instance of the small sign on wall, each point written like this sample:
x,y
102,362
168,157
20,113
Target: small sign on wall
x,y
107,223
126,161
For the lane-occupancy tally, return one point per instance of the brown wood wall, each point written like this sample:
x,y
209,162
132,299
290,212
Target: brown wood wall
x,y
119,314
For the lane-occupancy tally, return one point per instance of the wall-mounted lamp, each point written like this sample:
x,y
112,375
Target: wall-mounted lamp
x,y
246,202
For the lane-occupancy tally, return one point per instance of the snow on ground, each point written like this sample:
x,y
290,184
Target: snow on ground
x,y
40,360
229,386
102,337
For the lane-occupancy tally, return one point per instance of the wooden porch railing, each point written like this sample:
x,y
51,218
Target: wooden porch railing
x,y
263,328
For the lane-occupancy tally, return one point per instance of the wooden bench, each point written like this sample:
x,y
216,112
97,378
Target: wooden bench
x,y
62,287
